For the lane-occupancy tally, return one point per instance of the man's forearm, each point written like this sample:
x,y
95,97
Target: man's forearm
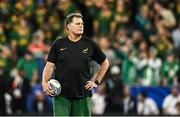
x,y
48,71
102,70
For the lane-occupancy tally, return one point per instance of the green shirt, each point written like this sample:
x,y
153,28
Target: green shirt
x,y
169,70
129,71
28,66
104,23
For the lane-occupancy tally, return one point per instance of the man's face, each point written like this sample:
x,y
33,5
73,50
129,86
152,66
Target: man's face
x,y
76,26
175,91
140,97
28,57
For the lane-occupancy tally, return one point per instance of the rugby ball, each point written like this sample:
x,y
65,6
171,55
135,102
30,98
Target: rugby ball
x,y
56,86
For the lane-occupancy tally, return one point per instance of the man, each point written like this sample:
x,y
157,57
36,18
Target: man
x,y
71,57
169,104
146,105
19,89
129,103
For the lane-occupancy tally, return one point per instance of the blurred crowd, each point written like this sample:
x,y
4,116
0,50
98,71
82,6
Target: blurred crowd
x,y
141,39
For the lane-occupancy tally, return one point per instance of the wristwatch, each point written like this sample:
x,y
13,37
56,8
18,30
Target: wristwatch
x,y
97,82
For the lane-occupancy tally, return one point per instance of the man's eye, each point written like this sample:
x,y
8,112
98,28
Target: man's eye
x,y
79,23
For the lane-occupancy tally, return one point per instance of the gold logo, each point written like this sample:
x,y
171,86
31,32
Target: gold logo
x,y
85,50
62,49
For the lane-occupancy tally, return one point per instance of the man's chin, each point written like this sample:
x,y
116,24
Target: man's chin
x,y
78,34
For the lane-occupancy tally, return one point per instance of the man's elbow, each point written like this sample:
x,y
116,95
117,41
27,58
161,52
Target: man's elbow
x,y
106,63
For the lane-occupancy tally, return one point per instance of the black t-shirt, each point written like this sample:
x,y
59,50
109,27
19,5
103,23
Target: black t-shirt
x,y
73,61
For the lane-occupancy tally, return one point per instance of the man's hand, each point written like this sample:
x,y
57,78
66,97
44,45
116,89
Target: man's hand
x,y
90,85
47,73
47,89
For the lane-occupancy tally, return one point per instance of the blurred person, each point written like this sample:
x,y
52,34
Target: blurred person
x,y
104,44
142,64
7,59
48,32
20,36
5,8
119,38
66,7
29,6
3,38
170,102
6,65
153,67
114,92
50,4
103,23
168,19
11,24
98,100
72,56
122,15
89,11
129,102
39,14
19,7
177,108
126,44
169,69
146,105
24,7
143,46
37,101
19,89
137,37
29,65
161,40
37,46
177,9
128,63
128,67
129,42
40,104
176,37
99,4
143,21
55,23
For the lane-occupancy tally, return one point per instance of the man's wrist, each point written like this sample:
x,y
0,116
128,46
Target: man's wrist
x,y
97,82
44,82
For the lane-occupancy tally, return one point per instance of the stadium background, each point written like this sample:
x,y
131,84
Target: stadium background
x,y
141,39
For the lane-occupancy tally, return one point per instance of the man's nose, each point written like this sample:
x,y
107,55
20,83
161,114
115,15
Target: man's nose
x,y
81,25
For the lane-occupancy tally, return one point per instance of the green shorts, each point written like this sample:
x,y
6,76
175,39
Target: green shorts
x,y
72,107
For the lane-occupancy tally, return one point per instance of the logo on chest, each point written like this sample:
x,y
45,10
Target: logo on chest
x,y
62,49
85,51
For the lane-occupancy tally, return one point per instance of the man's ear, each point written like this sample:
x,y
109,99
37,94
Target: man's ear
x,y
68,26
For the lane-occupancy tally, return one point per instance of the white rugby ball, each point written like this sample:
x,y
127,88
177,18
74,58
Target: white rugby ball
x,y
56,86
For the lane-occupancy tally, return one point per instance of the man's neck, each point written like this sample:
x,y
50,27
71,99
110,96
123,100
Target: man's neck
x,y
73,37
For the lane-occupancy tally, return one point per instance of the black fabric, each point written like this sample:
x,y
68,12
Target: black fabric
x,y
73,62
3,88
20,103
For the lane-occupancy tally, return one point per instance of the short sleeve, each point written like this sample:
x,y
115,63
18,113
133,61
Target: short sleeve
x,y
20,63
98,55
52,53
